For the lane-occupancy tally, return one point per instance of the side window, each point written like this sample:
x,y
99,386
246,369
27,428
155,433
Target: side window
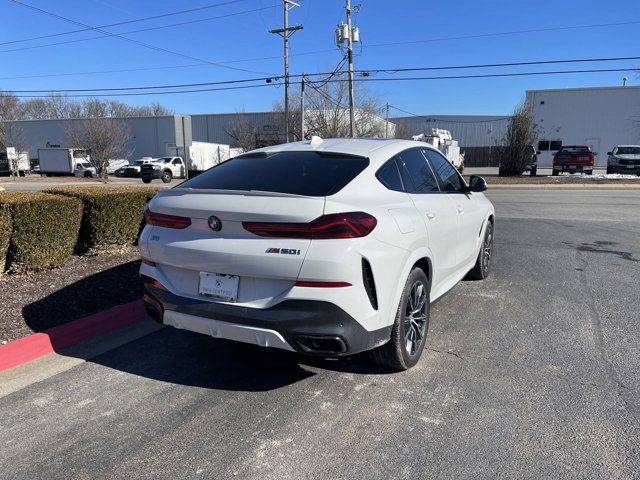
x,y
446,172
555,145
421,177
177,161
390,177
543,145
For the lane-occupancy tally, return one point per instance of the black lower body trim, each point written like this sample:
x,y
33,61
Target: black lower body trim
x,y
302,323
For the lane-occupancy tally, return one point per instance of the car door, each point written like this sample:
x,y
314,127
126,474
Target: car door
x,y
437,211
469,213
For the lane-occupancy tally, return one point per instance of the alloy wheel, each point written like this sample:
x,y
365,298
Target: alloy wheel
x,y
415,317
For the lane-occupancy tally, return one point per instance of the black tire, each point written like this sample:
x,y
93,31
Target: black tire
x,y
87,175
409,332
589,172
146,180
609,171
482,268
555,173
166,176
534,172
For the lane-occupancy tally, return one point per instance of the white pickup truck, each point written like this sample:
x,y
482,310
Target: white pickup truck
x,y
164,168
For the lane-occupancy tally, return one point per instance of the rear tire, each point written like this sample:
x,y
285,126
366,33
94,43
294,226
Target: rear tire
x,y
555,173
609,172
166,176
146,180
482,267
534,172
589,172
409,332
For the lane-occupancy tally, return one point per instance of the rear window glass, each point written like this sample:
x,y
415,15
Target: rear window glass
x,y
574,151
299,173
390,177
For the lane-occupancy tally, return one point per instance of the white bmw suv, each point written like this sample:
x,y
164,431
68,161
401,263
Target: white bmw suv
x,y
328,247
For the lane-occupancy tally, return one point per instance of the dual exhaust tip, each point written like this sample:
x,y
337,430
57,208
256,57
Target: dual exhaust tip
x,y
321,344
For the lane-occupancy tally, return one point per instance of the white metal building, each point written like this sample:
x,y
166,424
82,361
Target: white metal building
x,y
601,117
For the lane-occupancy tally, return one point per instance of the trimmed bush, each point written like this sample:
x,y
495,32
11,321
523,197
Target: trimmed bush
x,y
44,229
111,215
5,234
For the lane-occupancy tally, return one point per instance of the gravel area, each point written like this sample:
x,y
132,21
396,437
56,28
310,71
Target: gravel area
x,y
84,285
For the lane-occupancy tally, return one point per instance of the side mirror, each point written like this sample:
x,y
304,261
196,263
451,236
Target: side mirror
x,y
609,153
477,184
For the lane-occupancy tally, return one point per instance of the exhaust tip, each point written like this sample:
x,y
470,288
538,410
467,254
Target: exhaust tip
x,y
322,344
153,311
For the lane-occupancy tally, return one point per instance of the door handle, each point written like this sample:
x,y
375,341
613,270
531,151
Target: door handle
x,y
431,216
460,209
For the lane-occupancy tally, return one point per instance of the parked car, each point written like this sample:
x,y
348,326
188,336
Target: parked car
x,y
164,168
116,164
574,159
624,159
328,247
531,166
133,169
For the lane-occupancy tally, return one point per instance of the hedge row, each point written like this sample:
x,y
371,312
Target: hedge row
x,y
111,216
41,230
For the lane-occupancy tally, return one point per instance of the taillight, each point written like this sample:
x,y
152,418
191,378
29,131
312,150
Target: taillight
x,y
153,282
167,221
592,159
335,225
303,283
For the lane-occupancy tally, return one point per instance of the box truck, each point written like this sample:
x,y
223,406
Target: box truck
x,y
12,162
65,161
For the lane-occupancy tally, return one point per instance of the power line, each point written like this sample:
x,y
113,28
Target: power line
x,y
365,73
499,34
116,35
148,29
126,22
444,77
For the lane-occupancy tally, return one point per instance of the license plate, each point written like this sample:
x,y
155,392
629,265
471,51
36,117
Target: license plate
x,y
631,166
218,285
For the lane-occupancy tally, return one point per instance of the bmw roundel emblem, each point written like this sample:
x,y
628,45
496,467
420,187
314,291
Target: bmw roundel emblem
x,y
215,224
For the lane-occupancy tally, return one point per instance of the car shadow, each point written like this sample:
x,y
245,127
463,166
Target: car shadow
x,y
170,355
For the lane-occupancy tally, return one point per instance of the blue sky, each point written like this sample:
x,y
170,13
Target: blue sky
x,y
245,36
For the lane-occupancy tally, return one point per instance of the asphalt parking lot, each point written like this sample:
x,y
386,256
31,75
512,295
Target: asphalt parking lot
x,y
532,373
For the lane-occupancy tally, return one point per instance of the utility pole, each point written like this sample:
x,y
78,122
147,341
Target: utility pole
x,y
386,123
285,32
302,107
352,119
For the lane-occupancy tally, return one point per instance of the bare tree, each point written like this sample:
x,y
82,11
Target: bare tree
x,y
106,138
521,133
403,131
14,138
327,111
243,133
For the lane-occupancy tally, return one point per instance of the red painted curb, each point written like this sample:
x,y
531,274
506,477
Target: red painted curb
x,y
39,344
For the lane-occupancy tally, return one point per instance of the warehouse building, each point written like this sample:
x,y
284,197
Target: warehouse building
x,y
601,117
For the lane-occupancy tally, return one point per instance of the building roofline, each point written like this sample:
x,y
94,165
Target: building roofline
x,y
579,89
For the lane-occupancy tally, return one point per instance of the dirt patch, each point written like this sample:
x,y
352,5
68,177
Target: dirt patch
x,y
82,286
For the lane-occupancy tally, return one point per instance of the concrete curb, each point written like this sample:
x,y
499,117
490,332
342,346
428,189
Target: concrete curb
x,y
29,348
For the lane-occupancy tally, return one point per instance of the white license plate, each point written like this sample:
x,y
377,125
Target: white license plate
x,y
631,166
218,285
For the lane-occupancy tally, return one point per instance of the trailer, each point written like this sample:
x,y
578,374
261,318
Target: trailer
x,y
14,163
443,141
65,161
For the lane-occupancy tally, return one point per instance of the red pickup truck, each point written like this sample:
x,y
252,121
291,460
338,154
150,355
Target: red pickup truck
x,y
573,159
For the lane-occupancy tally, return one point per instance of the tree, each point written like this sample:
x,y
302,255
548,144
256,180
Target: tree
x,y
327,111
404,132
243,133
106,138
521,133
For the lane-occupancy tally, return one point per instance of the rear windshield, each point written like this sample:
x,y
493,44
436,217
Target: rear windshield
x,y
628,151
299,173
574,151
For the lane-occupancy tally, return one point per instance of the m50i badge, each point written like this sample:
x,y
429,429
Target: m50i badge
x,y
283,251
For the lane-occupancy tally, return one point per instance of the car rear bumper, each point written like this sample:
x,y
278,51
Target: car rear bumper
x,y
573,167
307,326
